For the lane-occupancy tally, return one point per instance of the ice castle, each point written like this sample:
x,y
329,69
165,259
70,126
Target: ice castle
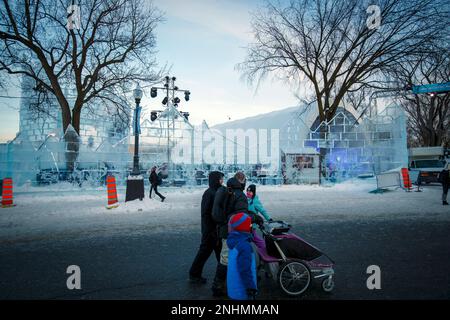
x,y
347,146
38,152
352,145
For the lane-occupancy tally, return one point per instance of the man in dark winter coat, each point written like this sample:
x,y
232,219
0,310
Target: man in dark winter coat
x,y
210,242
444,178
154,182
228,201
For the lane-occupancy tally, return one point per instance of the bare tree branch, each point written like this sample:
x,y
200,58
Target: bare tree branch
x,y
113,48
429,116
328,46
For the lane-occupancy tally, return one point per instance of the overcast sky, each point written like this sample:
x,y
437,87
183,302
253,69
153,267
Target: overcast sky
x,y
202,40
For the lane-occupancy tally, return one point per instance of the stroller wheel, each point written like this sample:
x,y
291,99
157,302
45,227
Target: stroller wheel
x,y
328,284
294,277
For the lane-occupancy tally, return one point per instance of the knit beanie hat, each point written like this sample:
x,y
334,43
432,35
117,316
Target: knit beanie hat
x,y
240,222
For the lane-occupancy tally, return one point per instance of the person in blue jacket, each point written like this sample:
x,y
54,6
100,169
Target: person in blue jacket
x,y
255,206
241,273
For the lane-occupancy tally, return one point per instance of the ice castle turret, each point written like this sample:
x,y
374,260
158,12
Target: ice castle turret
x,y
37,120
39,148
40,117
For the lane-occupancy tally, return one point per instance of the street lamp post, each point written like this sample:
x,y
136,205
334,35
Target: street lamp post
x,y
137,97
135,181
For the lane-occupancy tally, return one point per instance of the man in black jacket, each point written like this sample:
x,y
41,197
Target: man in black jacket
x,y
210,242
444,178
154,182
228,201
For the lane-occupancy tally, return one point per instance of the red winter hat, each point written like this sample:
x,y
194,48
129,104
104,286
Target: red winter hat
x,y
240,222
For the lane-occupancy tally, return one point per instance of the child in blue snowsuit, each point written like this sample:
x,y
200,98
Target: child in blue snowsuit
x,y
241,273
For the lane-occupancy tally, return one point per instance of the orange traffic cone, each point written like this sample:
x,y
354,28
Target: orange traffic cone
x,y
7,193
112,192
406,181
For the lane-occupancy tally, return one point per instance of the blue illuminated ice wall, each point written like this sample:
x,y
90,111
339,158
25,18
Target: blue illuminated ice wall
x,y
375,145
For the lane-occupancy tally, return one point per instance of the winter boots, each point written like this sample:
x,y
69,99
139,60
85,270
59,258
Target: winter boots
x,y
219,284
197,280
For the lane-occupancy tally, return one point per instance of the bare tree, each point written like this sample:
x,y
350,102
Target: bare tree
x,y
97,54
429,115
2,84
334,47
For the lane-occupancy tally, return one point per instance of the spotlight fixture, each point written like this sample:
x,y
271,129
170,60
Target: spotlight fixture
x,y
169,91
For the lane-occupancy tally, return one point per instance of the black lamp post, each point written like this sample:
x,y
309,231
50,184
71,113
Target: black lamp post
x,y
137,97
135,181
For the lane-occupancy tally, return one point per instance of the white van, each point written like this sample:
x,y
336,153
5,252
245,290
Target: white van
x,y
429,161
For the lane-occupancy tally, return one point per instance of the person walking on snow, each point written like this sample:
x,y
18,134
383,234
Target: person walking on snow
x,y
229,200
241,272
210,241
155,181
255,206
444,178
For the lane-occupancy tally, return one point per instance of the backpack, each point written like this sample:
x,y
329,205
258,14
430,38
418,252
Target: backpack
x,y
159,181
228,200
223,203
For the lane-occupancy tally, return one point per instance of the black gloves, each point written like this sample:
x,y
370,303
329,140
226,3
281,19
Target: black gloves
x,y
270,220
257,219
251,293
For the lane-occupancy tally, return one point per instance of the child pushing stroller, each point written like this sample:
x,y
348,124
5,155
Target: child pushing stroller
x,y
256,207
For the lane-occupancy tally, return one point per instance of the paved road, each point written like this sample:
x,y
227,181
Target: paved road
x,y
414,257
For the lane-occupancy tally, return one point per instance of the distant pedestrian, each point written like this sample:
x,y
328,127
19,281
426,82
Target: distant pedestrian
x,y
444,178
155,181
210,241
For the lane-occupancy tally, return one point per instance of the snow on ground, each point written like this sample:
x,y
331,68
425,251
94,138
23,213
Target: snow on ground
x,y
61,213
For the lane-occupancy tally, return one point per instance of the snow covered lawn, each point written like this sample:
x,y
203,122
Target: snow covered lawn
x,y
61,214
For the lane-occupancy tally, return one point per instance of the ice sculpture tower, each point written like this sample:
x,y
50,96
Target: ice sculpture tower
x,y
37,120
41,117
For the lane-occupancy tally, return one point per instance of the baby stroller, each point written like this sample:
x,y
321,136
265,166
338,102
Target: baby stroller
x,y
291,261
